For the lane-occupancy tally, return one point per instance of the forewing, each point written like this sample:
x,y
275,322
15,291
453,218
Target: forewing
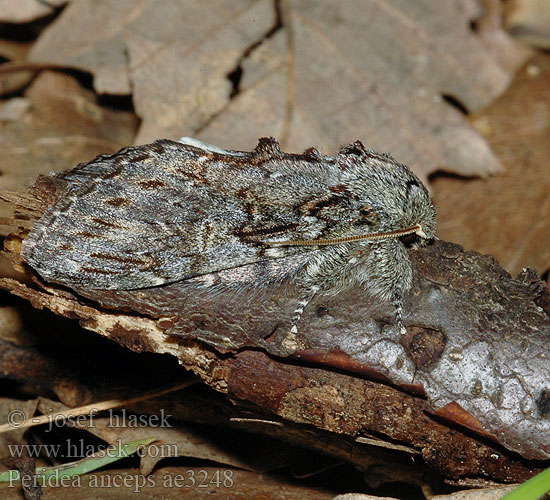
x,y
166,212
145,217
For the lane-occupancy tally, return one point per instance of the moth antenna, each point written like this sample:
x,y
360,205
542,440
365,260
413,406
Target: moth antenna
x,y
347,239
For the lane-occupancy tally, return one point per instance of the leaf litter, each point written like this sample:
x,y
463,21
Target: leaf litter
x,y
320,73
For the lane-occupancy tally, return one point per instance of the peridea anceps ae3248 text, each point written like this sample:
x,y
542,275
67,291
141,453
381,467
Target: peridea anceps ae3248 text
x,y
171,211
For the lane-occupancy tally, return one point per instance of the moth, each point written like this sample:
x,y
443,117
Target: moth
x,y
176,211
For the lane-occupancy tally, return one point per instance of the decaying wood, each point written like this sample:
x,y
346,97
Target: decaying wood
x,y
466,388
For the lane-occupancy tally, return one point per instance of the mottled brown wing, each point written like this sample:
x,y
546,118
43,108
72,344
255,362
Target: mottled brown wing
x,y
156,214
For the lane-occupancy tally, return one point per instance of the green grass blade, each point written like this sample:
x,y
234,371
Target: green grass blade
x,y
532,488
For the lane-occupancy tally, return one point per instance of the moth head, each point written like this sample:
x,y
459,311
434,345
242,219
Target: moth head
x,y
416,239
418,210
391,189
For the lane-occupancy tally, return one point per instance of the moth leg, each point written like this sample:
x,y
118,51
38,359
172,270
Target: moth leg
x,y
389,275
398,305
312,290
290,342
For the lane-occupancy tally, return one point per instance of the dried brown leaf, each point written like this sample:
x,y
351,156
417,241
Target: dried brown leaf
x,y
374,70
507,215
182,440
529,21
14,76
14,412
489,26
91,35
57,124
24,11
191,483
12,50
12,328
194,86
382,81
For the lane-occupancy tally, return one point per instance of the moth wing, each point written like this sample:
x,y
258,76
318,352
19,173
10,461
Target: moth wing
x,y
115,227
96,245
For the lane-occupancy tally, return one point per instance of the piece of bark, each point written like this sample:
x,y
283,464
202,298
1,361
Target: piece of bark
x,y
381,461
475,354
309,402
